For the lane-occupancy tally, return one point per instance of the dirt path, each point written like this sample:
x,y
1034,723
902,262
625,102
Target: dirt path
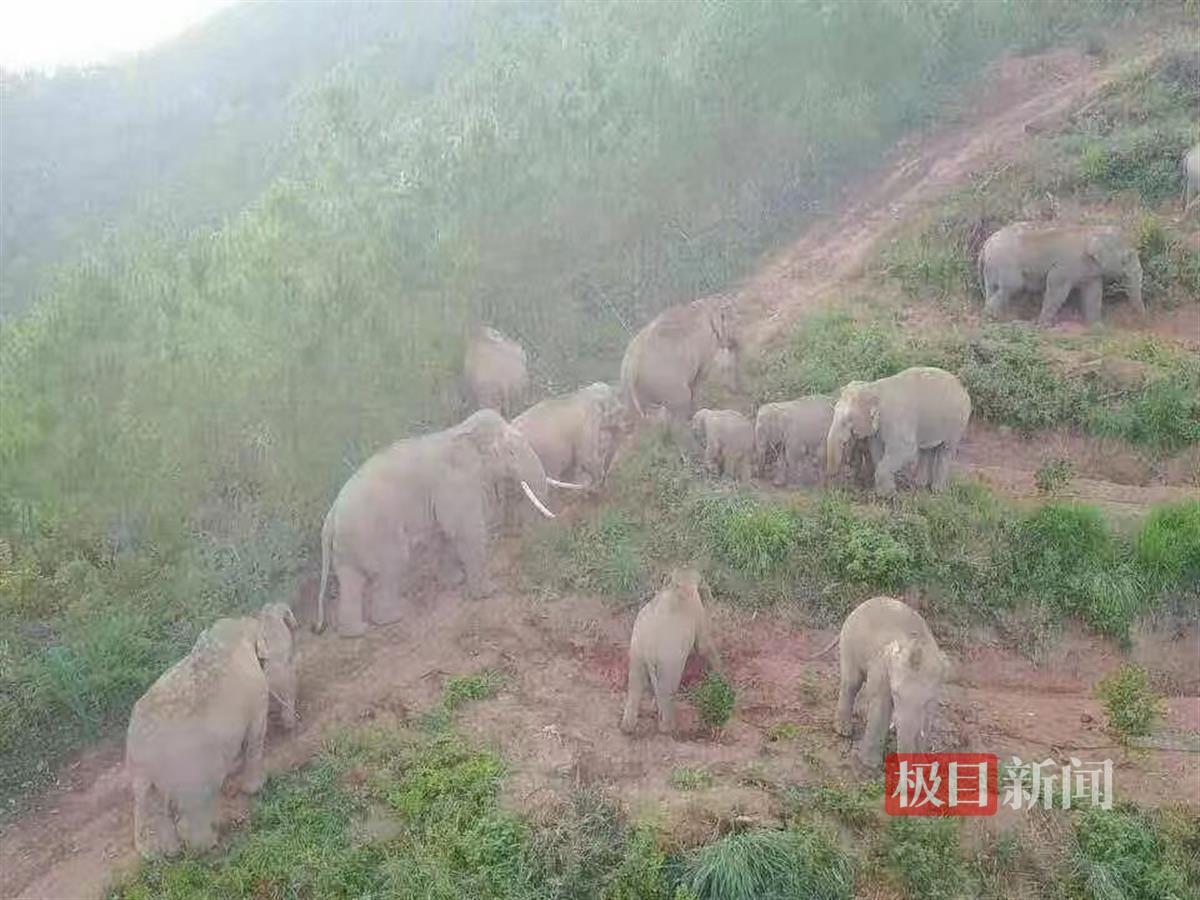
x,y
555,722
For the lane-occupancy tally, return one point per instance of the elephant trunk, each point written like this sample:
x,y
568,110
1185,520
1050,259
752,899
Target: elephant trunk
x,y
835,445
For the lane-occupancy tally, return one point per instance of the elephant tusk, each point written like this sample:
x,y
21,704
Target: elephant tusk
x,y
533,498
565,485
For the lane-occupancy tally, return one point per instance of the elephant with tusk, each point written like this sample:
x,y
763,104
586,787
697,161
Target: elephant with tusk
x,y
410,496
1055,260
575,434
919,414
666,360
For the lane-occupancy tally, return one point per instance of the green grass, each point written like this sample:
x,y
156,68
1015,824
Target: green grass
x,y
1168,546
688,778
1128,854
769,865
1053,475
462,689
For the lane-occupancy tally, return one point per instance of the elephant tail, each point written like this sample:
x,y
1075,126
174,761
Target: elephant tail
x,y
825,649
326,555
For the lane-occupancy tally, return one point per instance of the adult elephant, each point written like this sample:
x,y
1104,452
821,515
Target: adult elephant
x,y
667,359
574,434
413,495
1056,260
495,371
918,414
1191,178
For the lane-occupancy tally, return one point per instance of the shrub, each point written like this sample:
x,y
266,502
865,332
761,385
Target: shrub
x,y
462,689
714,698
769,865
686,778
1125,853
882,551
1168,546
1131,705
1053,475
924,855
641,874
755,538
934,263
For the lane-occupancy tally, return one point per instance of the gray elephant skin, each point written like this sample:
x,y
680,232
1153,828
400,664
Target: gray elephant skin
x,y
666,360
789,432
728,441
495,371
665,632
574,435
1055,260
188,731
1191,178
919,414
414,497
886,645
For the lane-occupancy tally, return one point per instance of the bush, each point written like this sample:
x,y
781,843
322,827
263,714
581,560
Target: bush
x,y
1131,705
924,855
714,700
1053,475
1124,853
686,778
462,689
755,538
881,550
1168,546
769,865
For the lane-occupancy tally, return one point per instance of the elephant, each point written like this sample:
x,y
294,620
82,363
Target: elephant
x,y
918,414
406,498
886,644
1191,178
574,435
664,633
787,432
728,440
189,729
495,373
666,360
1057,259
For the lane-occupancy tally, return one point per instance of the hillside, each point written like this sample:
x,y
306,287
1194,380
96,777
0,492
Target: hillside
x,y
177,416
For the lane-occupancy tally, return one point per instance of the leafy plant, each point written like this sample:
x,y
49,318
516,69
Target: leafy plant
x,y
1132,706
1126,853
1053,475
714,698
462,689
687,778
924,855
1168,546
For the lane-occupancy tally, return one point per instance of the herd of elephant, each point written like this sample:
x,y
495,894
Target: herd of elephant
x,y
435,499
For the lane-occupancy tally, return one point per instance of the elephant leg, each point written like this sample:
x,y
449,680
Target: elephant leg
x,y
879,718
197,817
1058,288
1091,293
852,679
386,600
940,473
153,829
468,536
896,455
665,679
638,682
252,765
352,595
925,464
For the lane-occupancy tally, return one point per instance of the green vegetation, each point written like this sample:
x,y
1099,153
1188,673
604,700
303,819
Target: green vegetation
x,y
1132,706
769,865
1053,475
925,855
1135,855
687,778
714,699
463,689
976,558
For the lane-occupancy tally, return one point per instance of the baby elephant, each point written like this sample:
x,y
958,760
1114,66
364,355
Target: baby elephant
x,y
189,729
787,433
888,645
728,440
664,633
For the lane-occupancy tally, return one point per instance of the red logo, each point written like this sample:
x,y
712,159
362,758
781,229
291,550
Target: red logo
x,y
941,784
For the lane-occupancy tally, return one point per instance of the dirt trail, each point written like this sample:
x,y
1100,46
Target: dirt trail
x,y
555,722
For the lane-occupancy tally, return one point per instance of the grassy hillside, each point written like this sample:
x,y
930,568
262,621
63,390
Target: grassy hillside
x,y
178,413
